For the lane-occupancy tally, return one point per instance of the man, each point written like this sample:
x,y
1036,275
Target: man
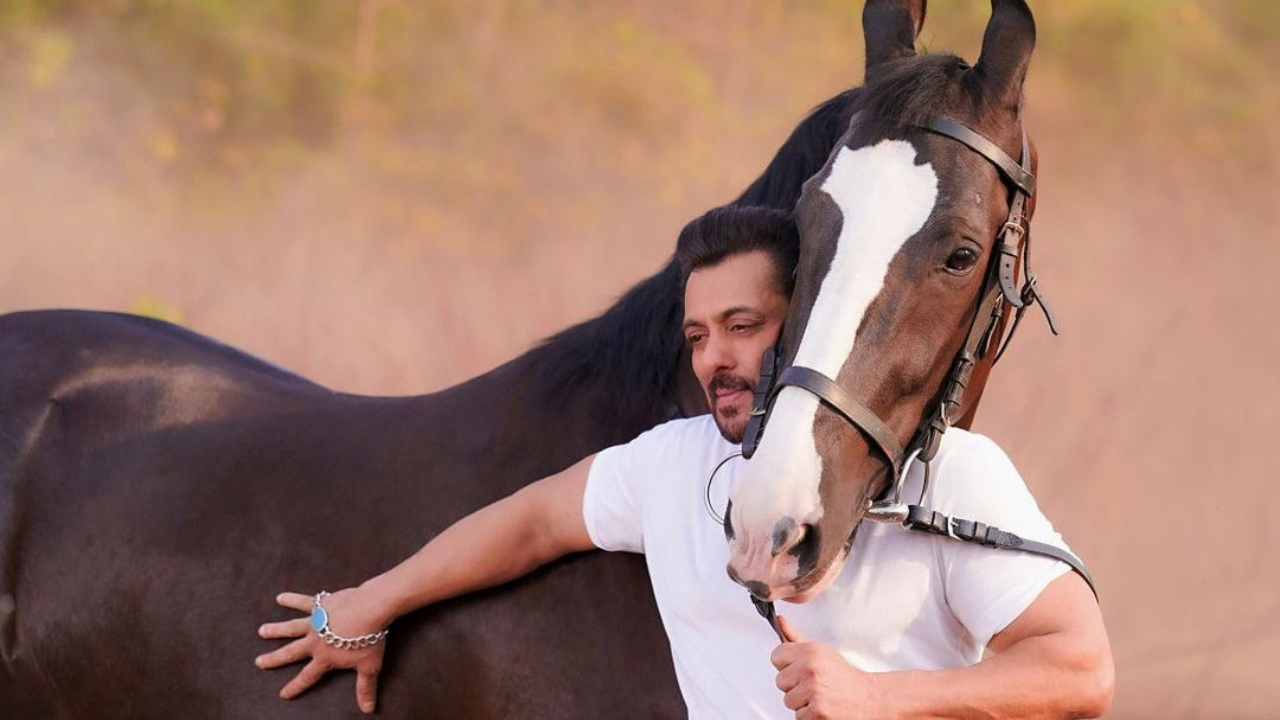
x,y
988,635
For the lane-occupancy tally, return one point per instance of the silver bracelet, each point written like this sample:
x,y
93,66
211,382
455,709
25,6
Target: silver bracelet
x,y
320,623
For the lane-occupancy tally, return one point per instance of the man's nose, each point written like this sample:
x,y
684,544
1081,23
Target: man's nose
x,y
718,355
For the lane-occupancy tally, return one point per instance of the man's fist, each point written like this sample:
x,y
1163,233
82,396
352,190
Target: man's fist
x,y
819,684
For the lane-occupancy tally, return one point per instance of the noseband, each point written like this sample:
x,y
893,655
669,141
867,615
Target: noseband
x,y
1013,243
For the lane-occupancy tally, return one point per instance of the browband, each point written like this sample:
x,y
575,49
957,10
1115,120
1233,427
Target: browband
x,y
1017,173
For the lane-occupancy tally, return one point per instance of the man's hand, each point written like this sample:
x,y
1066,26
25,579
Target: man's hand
x,y
350,615
819,683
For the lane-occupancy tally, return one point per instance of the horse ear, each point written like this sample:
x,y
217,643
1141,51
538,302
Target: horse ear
x,y
890,28
1006,50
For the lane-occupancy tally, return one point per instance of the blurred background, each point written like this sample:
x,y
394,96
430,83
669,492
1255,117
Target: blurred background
x,y
391,196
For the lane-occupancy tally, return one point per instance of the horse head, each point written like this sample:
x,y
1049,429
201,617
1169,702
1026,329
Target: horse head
x,y
903,233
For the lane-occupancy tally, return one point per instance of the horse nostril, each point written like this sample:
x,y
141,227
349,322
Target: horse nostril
x,y
806,547
786,535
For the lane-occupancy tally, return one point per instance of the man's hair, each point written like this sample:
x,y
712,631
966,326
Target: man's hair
x,y
731,230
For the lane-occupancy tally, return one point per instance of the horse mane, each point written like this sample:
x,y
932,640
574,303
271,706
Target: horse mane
x,y
636,344
633,346
802,155
905,93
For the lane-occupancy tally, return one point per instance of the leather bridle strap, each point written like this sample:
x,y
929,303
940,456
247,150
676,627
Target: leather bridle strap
x,y
1024,184
1017,173
848,407
997,288
770,615
970,531
976,345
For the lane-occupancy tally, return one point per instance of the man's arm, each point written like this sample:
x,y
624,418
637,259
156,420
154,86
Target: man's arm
x,y
493,545
1053,661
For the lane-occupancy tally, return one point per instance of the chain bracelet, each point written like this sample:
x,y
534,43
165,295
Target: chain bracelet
x,y
320,623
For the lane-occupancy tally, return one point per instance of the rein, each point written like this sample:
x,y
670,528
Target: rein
x,y
1013,244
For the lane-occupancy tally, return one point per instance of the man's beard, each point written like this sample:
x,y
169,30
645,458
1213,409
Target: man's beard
x,y
731,419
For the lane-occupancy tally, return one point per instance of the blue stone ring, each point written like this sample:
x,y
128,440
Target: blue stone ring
x,y
319,617
320,623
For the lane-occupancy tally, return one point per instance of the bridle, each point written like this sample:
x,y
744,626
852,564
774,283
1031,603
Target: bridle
x,y
999,287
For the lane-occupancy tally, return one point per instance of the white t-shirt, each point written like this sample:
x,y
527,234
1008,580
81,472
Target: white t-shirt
x,y
904,600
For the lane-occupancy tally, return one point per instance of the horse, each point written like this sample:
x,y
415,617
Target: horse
x,y
158,487
912,236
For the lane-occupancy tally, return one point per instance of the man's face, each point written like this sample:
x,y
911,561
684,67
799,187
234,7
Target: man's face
x,y
732,314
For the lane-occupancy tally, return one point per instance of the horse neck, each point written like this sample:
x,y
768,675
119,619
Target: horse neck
x,y
802,155
597,384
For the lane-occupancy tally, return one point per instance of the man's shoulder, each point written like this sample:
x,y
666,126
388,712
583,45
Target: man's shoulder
x,y
650,470
971,473
683,435
966,449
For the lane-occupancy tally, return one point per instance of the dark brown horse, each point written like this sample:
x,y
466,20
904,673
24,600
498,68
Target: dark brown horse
x,y
157,488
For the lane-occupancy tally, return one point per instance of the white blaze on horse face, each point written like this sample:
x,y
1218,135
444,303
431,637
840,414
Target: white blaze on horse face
x,y
884,198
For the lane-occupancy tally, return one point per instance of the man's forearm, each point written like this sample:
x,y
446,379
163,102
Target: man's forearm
x,y
1049,676
489,547
493,545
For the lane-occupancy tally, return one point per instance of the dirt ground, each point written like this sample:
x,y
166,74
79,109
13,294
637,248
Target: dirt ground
x,y
1142,430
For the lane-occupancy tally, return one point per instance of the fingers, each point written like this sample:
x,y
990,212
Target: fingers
x,y
797,698
367,688
287,655
307,677
783,655
296,601
789,631
287,629
789,677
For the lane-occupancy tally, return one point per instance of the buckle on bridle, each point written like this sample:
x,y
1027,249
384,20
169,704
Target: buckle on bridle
x,y
951,528
1013,226
1029,292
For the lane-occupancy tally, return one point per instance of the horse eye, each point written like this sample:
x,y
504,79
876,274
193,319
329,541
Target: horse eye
x,y
962,260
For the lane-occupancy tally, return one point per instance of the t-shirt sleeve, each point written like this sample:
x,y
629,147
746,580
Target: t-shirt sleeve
x,y
613,502
987,588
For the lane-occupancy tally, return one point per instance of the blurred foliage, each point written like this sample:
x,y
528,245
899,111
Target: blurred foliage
x,y
240,91
153,307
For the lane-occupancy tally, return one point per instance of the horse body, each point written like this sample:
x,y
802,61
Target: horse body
x,y
158,489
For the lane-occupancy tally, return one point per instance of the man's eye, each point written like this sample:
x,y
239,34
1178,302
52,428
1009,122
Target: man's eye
x,y
740,328
695,339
